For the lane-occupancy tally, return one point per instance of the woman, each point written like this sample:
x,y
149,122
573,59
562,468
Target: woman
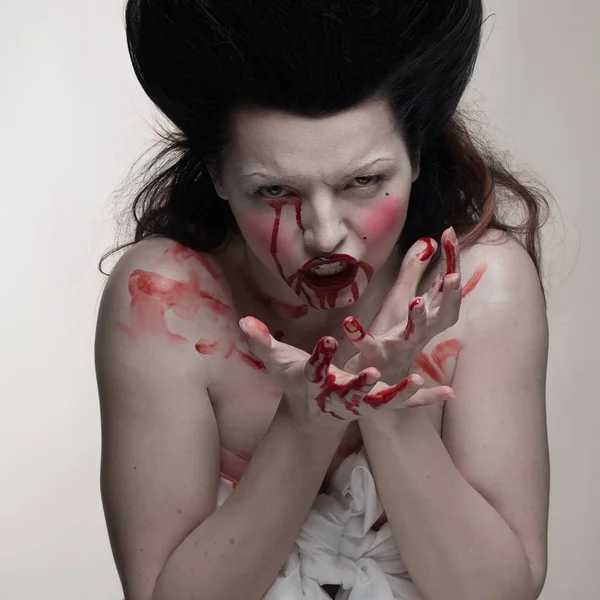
x,y
322,297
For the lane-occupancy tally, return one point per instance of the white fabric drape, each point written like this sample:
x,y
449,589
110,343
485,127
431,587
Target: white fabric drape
x,y
337,544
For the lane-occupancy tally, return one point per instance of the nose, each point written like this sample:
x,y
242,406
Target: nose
x,y
324,229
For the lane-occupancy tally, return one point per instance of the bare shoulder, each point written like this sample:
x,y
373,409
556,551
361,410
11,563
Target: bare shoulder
x,y
498,275
161,294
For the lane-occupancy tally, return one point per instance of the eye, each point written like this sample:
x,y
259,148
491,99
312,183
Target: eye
x,y
369,180
272,191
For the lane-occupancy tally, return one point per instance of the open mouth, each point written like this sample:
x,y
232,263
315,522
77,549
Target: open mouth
x,y
335,272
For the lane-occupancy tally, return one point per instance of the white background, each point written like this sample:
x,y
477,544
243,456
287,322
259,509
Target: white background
x,y
73,119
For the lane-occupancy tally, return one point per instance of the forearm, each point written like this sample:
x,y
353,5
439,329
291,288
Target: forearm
x,y
454,544
238,551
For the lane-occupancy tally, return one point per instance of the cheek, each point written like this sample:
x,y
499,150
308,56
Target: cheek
x,y
258,232
384,220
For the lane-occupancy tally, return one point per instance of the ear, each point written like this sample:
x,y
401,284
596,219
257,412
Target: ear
x,y
416,167
217,181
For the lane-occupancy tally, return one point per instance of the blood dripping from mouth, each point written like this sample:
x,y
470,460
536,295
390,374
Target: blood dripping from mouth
x,y
326,299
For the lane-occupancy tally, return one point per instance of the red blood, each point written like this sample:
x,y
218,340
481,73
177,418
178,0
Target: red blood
x,y
434,366
353,325
278,205
474,279
289,310
179,253
230,479
410,326
325,299
329,387
354,291
206,347
152,295
425,363
450,260
428,252
445,350
386,396
344,450
251,361
346,392
207,264
321,358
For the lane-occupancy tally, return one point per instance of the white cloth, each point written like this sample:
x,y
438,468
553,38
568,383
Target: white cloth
x,y
337,545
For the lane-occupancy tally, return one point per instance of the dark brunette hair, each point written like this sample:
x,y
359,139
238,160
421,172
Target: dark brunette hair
x,y
199,60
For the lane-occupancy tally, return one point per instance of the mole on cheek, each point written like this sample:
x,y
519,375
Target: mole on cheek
x,y
382,219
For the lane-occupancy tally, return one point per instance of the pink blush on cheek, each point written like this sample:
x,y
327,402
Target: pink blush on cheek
x,y
383,219
258,232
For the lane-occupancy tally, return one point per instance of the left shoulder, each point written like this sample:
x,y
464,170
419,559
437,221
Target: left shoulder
x,y
498,274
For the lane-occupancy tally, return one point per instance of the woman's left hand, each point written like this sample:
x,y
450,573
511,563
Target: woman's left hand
x,y
397,335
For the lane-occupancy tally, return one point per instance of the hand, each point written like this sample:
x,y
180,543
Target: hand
x,y
397,334
318,396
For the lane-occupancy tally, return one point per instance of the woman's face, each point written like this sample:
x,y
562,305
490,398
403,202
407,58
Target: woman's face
x,y
320,202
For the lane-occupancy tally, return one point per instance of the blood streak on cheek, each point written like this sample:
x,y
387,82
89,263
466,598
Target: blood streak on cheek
x,y
383,218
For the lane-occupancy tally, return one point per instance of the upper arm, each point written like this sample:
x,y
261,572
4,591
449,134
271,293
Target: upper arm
x,y
495,431
160,447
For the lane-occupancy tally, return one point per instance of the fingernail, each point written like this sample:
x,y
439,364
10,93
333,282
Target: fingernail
x,y
418,306
452,235
428,251
351,325
242,326
455,282
328,345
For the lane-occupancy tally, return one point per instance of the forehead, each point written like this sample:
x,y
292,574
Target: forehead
x,y
284,141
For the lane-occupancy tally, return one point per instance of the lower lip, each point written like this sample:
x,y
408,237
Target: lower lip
x,y
330,283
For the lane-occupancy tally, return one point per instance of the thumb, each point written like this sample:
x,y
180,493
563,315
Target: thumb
x,y
259,337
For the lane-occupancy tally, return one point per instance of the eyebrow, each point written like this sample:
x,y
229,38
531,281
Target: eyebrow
x,y
263,174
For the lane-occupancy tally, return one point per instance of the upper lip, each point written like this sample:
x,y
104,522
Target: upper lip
x,y
334,258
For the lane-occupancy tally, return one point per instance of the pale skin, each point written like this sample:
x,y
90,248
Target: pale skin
x,y
177,381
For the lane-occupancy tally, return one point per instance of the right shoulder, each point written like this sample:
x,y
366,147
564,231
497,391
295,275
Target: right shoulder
x,y
161,298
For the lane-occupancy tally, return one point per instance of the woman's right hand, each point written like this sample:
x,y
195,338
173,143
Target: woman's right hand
x,y
318,396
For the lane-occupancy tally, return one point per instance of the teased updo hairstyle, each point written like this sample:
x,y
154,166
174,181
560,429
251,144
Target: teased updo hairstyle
x,y
198,60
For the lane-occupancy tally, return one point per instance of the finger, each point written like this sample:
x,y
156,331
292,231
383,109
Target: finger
x,y
450,265
449,309
451,261
401,392
319,363
353,392
414,264
361,339
257,332
416,326
365,380
430,396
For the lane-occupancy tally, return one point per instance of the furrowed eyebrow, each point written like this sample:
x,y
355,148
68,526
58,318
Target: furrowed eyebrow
x,y
263,174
